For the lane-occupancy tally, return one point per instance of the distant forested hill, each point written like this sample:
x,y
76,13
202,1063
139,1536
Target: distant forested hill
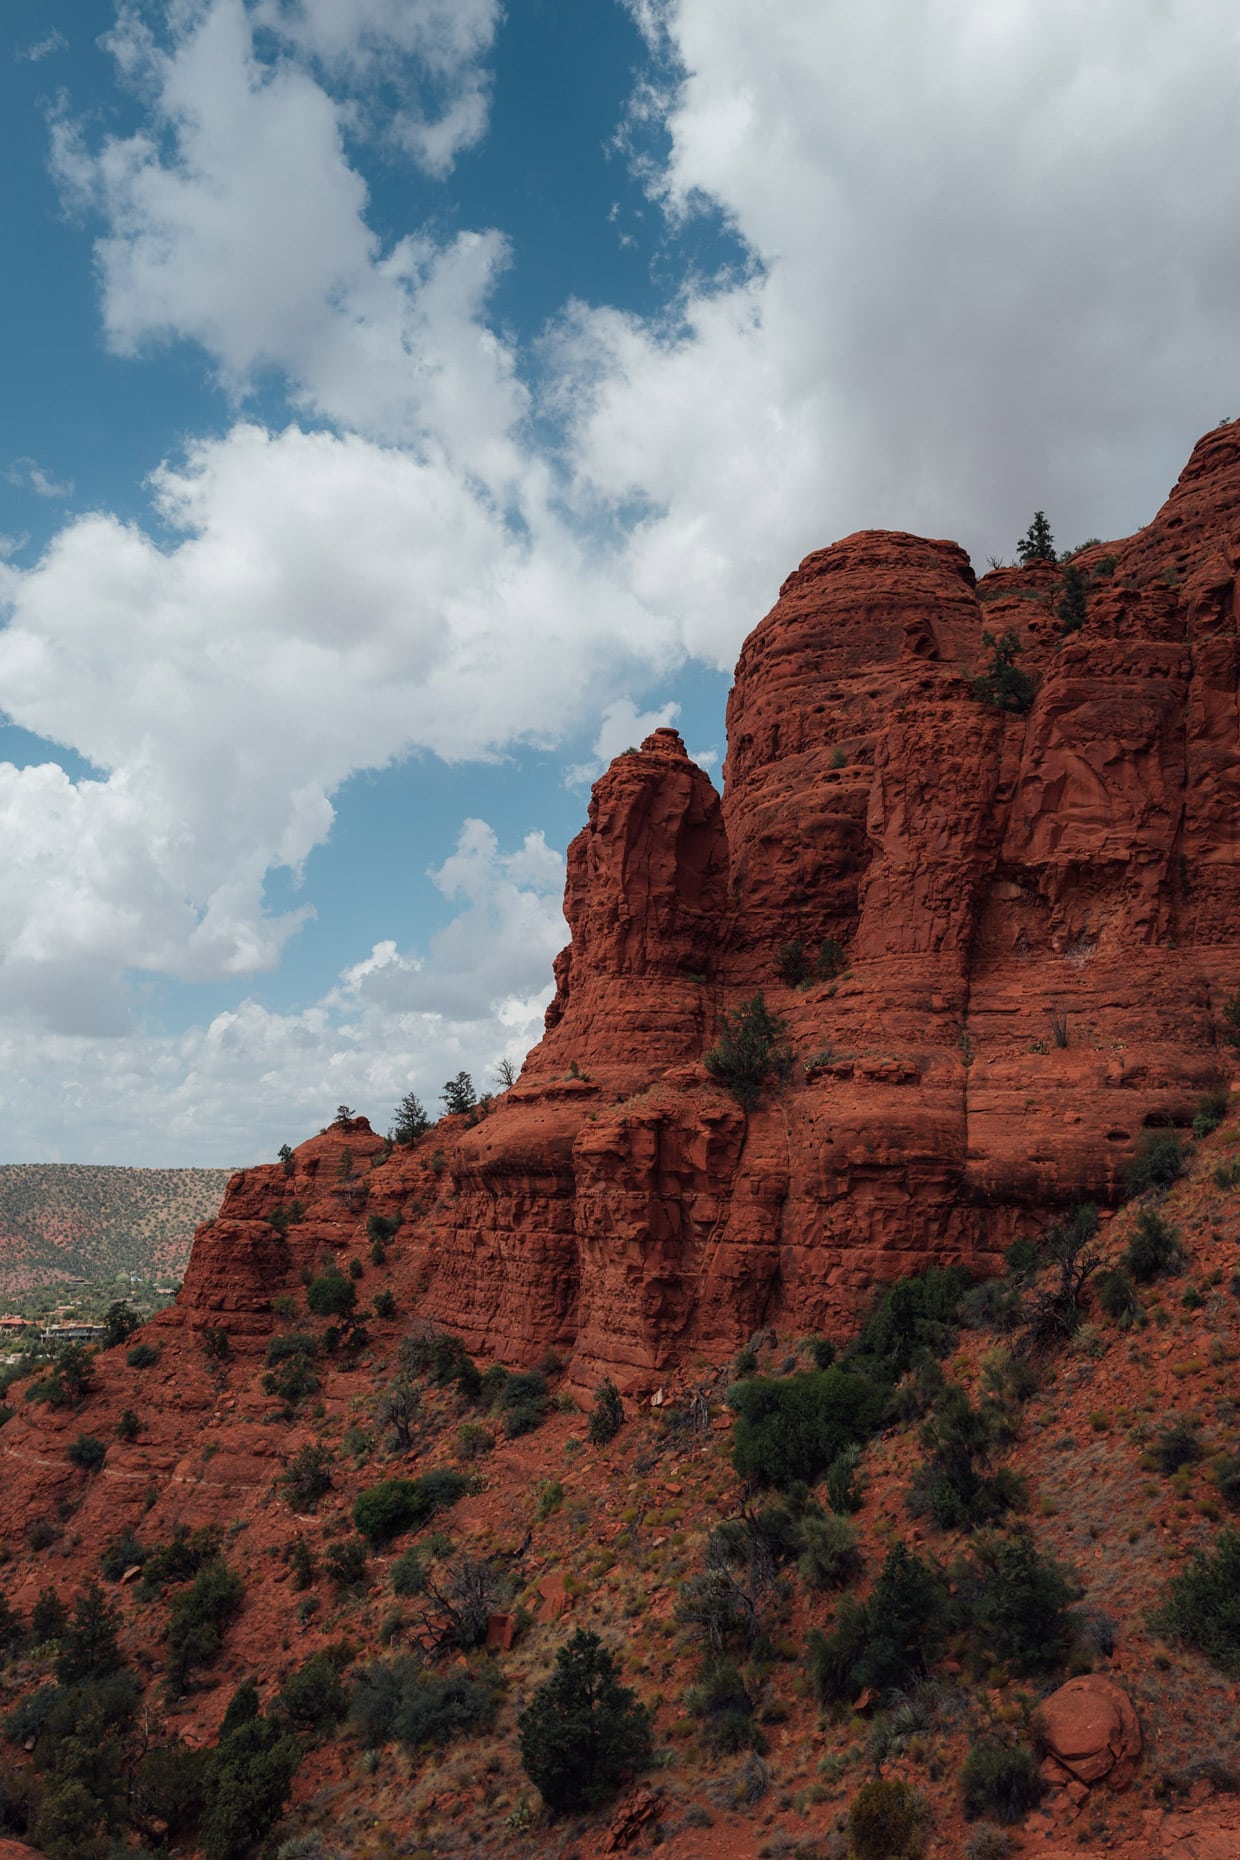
x,y
71,1220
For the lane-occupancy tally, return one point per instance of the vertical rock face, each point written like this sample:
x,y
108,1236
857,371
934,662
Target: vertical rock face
x,y
1039,914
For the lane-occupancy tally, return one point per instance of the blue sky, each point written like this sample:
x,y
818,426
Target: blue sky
x,y
405,404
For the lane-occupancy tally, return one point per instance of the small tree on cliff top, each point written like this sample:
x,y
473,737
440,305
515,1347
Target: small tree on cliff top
x,y
1037,544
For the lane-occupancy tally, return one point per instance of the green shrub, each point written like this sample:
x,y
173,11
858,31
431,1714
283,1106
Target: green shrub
x,y
1154,1248
128,1425
395,1505
409,1572
88,1648
124,1552
1072,604
753,1047
845,1487
1003,684
1177,1446
1001,1781
1116,1296
401,1700
830,959
793,1427
1021,1612
119,1323
1203,1604
182,1557
524,1403
345,1562
69,1380
1158,1163
913,1315
197,1620
885,1642
331,1294
830,1556
582,1730
1210,1110
380,1228
49,1618
606,1416
168,1786
307,1477
721,1698
246,1781
314,1696
888,1820
88,1452
951,1486
793,963
473,1440
385,1305
142,1356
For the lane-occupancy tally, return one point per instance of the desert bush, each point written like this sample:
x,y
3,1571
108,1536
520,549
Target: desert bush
x,y
1114,1291
473,1440
345,1562
914,1315
380,1228
124,1552
120,1320
1158,1163
314,1696
1154,1248
753,1046
49,1618
246,1780
401,1700
185,1553
888,1820
950,1486
1022,1609
1003,684
385,1304
1001,1781
197,1620
830,1556
721,1699
792,1428
987,1842
409,1572
69,1380
168,1786
307,1477
331,1294
88,1452
885,1642
1178,1445
524,1402
606,1416
142,1356
1203,1603
845,1486
385,1510
128,1425
582,1730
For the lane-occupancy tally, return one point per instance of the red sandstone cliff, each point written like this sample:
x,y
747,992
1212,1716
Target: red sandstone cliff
x,y
986,874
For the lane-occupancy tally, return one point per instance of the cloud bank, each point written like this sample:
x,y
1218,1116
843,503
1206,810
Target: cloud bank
x,y
990,265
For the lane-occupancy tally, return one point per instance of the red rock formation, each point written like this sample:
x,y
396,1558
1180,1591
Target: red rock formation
x,y
1038,914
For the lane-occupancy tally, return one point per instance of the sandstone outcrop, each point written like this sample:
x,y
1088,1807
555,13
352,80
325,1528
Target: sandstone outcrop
x,y
1091,1731
1038,920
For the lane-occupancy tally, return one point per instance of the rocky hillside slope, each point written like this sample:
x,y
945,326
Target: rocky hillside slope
x,y
63,1221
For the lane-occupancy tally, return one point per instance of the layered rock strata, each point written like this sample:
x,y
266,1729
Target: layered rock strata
x,y
1038,918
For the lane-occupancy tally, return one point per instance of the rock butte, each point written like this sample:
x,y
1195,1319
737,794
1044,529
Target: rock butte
x,y
983,872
